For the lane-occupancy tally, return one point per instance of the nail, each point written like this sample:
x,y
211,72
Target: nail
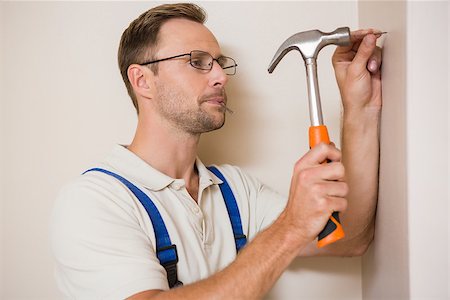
x,y
227,108
379,34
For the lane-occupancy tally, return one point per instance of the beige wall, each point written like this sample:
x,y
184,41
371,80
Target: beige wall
x,y
385,266
427,147
65,106
409,258
2,135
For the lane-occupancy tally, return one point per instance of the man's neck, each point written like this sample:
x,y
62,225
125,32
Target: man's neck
x,y
168,150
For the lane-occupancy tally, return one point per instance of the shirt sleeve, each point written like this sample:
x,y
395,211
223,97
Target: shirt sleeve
x,y
101,250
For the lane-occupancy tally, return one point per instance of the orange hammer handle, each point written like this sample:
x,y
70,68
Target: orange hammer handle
x,y
333,230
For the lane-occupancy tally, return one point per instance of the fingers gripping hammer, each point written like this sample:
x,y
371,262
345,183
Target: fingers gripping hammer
x,y
309,43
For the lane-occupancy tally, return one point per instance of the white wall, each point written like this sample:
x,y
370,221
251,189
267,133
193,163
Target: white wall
x,y
385,266
65,106
1,147
409,257
427,148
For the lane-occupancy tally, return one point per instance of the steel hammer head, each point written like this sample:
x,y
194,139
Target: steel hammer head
x,y
309,43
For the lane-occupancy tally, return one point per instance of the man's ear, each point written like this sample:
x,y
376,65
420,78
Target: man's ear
x,y
140,78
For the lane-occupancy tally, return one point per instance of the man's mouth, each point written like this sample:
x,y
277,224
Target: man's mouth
x,y
217,99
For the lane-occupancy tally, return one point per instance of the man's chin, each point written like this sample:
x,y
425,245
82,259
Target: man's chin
x,y
215,124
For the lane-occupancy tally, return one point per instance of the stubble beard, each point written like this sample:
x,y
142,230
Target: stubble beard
x,y
174,106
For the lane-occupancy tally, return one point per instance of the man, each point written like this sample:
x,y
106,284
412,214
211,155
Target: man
x,y
176,75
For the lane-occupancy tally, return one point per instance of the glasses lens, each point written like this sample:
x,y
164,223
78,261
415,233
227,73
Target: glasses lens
x,y
228,65
201,60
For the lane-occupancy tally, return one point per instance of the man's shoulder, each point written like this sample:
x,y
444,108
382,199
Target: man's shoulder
x,y
92,181
93,189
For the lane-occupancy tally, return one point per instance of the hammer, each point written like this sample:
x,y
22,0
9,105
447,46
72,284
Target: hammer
x,y
309,43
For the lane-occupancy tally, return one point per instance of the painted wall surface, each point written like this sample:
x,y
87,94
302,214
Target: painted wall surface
x,y
409,258
1,148
428,179
385,266
65,106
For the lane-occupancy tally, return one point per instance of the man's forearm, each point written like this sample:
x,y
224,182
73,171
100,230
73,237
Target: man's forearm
x,y
360,156
252,274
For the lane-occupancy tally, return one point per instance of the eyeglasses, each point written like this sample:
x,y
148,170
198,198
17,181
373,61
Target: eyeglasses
x,y
204,61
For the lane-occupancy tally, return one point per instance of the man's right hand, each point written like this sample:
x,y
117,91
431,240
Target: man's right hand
x,y
317,190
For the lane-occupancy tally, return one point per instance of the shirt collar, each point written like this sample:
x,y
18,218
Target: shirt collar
x,y
132,167
207,177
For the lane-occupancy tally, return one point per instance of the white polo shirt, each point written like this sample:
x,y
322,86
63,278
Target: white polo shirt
x,y
104,242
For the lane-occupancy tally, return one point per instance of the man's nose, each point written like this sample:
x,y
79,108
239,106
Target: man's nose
x,y
217,75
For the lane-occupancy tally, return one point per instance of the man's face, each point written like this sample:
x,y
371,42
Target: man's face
x,y
188,98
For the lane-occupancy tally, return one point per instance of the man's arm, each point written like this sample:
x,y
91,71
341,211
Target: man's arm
x,y
316,191
250,276
360,86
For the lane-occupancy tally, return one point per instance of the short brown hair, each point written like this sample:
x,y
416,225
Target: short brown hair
x,y
140,39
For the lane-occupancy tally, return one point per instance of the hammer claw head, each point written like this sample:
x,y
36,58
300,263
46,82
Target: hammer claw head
x,y
287,46
309,43
282,51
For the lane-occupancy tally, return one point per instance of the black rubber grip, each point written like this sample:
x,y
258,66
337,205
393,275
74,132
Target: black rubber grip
x,y
330,227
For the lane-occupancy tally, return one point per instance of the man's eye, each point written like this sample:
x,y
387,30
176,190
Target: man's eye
x,y
198,63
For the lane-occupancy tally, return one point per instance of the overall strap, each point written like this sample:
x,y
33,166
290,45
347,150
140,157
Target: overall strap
x,y
165,250
233,211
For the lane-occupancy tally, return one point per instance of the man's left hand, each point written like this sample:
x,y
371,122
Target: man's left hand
x,y
357,70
